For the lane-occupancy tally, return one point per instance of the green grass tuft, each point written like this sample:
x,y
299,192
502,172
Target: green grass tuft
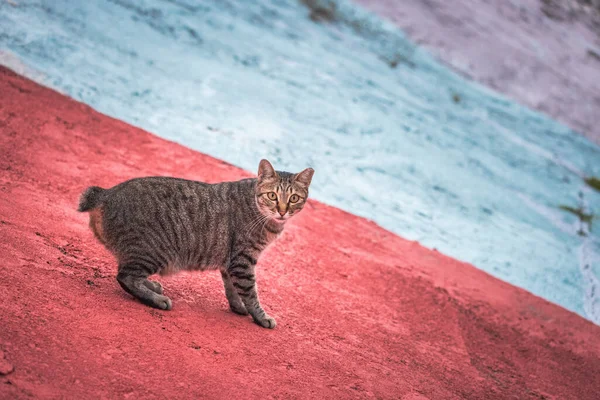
x,y
583,217
593,182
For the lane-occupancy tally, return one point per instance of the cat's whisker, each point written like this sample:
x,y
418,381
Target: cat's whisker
x,y
254,223
251,227
263,225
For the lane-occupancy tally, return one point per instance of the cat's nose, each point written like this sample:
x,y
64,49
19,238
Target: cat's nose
x,y
281,212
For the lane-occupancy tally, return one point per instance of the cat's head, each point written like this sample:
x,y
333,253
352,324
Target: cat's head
x,y
281,195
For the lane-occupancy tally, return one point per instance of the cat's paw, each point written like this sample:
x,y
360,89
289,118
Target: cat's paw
x,y
266,322
238,308
162,302
154,286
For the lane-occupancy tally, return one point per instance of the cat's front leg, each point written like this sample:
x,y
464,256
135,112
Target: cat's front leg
x,y
243,278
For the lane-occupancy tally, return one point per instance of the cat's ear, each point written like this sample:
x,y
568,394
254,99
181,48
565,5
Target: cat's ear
x,y
265,170
304,177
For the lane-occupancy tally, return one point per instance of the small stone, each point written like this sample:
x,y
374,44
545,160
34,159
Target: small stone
x,y
6,367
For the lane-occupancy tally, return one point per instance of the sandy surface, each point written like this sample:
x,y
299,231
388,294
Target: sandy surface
x,y
544,54
361,312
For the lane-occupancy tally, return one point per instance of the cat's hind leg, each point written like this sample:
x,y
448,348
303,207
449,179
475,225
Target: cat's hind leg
x,y
235,302
133,278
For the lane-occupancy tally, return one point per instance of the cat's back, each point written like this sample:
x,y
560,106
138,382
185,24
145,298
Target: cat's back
x,y
145,198
164,208
161,187
165,204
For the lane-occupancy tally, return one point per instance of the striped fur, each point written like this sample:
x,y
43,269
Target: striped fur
x,y
166,225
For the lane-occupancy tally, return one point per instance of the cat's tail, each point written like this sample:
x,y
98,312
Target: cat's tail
x,y
91,198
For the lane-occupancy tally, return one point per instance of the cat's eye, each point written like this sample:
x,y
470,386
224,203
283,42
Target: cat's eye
x,y
295,198
272,196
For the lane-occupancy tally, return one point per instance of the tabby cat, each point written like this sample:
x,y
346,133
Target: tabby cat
x,y
165,225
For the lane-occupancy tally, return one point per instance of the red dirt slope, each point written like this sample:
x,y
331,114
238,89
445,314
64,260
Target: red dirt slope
x,y
361,312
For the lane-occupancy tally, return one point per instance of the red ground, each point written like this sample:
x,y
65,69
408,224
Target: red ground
x,y
361,312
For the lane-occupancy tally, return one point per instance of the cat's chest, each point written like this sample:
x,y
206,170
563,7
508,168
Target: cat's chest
x,y
267,238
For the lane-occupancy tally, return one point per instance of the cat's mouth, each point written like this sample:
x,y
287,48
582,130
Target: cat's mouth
x,y
280,219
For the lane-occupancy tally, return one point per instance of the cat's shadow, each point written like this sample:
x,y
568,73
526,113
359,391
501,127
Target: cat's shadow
x,y
185,300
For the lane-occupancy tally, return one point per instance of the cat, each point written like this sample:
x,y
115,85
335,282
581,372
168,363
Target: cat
x,y
165,225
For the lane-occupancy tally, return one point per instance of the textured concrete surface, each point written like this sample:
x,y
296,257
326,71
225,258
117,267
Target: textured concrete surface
x,y
543,53
362,313
396,136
